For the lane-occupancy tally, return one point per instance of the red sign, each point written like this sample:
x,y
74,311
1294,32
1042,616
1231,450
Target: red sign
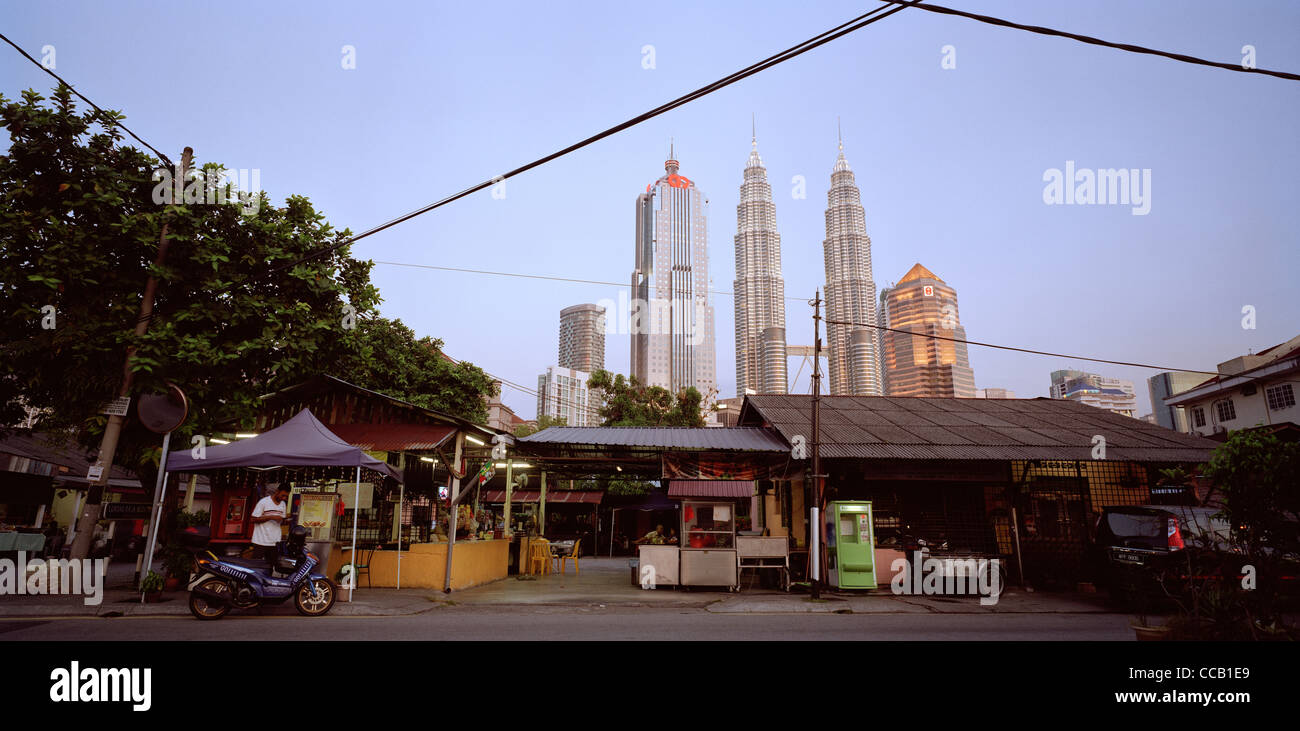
x,y
928,290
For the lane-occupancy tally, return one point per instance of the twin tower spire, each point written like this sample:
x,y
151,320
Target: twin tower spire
x,y
852,350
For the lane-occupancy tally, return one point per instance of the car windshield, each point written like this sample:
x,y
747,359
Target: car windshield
x,y
1129,525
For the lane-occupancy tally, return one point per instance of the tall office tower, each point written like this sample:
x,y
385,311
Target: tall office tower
x,y
1112,394
759,288
923,304
852,350
582,338
671,318
1163,385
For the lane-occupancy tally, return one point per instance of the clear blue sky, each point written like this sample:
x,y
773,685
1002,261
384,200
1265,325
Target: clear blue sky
x,y
950,162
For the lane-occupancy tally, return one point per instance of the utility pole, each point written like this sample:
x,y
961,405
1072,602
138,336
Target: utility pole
x,y
815,526
113,430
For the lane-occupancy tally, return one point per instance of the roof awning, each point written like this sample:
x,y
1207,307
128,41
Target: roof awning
x,y
711,488
592,497
392,437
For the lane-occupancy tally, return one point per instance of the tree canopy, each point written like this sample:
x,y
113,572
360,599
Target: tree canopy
x,y
625,401
79,232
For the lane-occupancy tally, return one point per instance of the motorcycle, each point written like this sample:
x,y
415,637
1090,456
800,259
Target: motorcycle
x,y
228,582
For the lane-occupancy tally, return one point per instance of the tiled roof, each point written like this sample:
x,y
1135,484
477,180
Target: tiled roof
x,y
392,437
711,488
874,427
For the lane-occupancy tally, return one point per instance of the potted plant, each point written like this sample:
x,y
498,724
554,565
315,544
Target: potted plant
x,y
151,587
178,563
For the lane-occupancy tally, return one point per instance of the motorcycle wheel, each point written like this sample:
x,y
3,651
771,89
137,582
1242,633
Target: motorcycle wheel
x,y
311,606
204,609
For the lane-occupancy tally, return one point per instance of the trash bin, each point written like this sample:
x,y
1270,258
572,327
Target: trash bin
x,y
635,565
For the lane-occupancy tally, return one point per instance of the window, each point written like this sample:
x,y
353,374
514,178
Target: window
x,y
1226,411
1280,397
1198,417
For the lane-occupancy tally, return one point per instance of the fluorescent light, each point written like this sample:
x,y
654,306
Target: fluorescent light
x,y
474,440
245,435
428,459
214,440
516,465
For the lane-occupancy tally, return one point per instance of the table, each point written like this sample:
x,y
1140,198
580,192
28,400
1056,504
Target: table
x,y
562,548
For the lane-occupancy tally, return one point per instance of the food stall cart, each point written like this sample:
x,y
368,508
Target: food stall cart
x,y
662,561
708,551
765,552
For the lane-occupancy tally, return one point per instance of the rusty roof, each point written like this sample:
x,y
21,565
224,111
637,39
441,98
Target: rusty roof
x,y
738,439
877,427
392,437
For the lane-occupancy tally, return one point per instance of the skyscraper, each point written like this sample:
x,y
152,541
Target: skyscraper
x,y
582,338
671,318
1163,385
759,288
1112,394
562,393
852,350
924,304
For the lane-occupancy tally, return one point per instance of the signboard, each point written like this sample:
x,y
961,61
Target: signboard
x,y
94,473
928,290
126,511
365,499
118,407
316,513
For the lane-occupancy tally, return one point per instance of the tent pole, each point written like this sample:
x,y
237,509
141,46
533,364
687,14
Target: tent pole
x,y
356,500
454,504
158,489
401,496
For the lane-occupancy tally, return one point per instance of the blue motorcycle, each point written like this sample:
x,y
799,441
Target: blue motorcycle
x,y
228,582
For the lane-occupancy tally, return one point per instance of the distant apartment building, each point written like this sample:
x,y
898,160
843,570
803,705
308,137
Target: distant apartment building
x,y
1163,385
562,393
582,338
1112,394
994,393
922,304
1253,390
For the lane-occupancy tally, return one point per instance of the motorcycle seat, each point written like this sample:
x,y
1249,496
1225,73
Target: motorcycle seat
x,y
248,563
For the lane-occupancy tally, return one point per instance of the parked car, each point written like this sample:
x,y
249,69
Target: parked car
x,y
1136,547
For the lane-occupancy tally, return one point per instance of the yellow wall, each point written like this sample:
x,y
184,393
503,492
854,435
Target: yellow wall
x,y
472,563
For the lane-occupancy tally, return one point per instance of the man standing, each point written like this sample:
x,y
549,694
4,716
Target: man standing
x,y
267,517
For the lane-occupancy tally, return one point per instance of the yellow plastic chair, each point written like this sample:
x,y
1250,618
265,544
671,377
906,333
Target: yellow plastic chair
x,y
539,561
572,555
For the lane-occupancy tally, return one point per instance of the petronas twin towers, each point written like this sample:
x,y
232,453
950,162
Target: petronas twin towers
x,y
853,346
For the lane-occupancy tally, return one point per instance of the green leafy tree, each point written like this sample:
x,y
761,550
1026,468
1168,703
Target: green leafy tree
x,y
79,232
543,422
627,402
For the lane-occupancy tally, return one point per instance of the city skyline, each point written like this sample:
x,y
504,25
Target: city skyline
x,y
953,173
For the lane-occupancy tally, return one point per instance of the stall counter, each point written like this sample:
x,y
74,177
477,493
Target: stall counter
x,y
473,563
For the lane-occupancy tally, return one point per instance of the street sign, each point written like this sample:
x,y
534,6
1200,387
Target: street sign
x,y
94,473
126,511
163,412
118,406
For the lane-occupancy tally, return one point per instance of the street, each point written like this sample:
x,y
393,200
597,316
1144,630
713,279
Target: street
x,y
570,624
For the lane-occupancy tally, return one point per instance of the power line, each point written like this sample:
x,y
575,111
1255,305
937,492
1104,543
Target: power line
x,y
1099,42
1018,350
539,276
81,96
857,23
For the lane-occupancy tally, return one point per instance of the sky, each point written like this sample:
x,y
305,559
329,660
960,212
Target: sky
x,y
951,162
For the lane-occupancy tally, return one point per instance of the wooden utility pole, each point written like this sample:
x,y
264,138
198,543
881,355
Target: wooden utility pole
x,y
815,527
113,430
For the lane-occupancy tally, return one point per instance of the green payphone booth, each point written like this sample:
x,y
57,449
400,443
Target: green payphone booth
x,y
853,543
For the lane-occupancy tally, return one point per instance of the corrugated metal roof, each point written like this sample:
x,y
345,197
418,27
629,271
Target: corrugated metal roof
x,y
392,437
973,429
532,496
710,488
739,439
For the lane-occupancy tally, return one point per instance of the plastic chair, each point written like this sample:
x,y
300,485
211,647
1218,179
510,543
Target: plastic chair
x,y
577,544
539,561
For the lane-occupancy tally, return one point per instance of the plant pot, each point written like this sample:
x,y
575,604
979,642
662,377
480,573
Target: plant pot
x,y
152,597
1146,633
171,583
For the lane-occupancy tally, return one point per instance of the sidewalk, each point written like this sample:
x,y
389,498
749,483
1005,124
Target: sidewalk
x,y
603,582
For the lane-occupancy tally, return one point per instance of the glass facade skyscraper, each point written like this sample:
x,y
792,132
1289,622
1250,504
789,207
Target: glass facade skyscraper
x,y
759,288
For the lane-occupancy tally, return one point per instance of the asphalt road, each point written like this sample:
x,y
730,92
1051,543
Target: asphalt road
x,y
540,623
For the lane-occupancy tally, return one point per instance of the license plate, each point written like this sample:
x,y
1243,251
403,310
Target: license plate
x,y
1129,557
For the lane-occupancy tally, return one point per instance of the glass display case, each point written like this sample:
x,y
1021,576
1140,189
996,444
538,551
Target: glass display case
x,y
708,545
